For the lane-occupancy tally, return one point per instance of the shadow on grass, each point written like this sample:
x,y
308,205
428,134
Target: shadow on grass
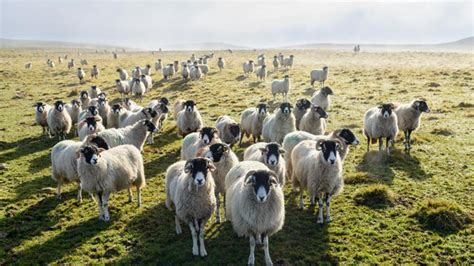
x,y
25,146
64,243
179,85
33,186
39,163
255,84
241,78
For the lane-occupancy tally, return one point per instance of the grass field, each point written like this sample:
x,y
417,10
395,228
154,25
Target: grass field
x,y
35,227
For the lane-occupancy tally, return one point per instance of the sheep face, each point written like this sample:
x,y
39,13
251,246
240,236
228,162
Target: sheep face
x,y
216,151
189,106
329,149
421,106
91,123
59,106
198,169
319,111
94,88
137,81
386,110
90,154
327,91
348,136
164,100
84,95
76,104
234,129
92,110
207,134
286,108
150,126
127,102
102,95
163,108
303,104
286,78
116,108
262,182
149,112
325,68
39,107
98,141
262,109
271,153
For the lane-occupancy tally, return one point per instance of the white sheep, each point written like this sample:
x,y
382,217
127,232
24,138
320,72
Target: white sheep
x,y
74,109
123,87
319,75
138,88
318,168
41,116
130,105
187,116
80,75
288,62
195,72
95,72
314,121
193,142
221,63
135,134
146,70
136,72
281,86
103,172
251,122
185,72
381,122
84,98
176,66
84,62
408,118
190,187
276,62
261,60
90,126
278,124
321,98
113,120
94,92
168,71
229,130
123,75
261,72
302,106
204,68
255,205
104,110
158,65
59,121
71,64
29,65
64,162
147,82
129,118
271,154
248,67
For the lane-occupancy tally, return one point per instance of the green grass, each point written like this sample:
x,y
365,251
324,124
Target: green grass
x,y
35,228
375,196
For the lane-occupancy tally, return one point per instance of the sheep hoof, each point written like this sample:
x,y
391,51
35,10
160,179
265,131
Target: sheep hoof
x,y
59,197
203,252
328,219
195,251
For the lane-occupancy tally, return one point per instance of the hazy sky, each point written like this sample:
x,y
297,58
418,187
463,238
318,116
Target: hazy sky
x,y
153,24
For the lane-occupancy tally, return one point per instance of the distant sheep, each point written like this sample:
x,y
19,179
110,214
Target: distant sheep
x,y
381,122
251,122
158,65
123,75
278,124
262,72
288,62
41,116
138,88
319,75
95,72
281,86
187,117
221,63
123,87
322,98
248,67
168,71
314,121
59,121
80,75
408,118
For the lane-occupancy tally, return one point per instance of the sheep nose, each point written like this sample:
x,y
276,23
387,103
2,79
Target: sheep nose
x,y
332,161
261,198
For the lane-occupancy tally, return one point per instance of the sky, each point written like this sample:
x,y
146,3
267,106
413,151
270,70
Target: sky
x,y
154,24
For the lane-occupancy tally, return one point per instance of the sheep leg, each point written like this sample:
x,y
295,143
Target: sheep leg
x,y
313,200
105,206
268,260
301,199
380,144
408,138
218,205
130,195
99,202
202,247
251,260
79,192
258,240
328,208
194,235
320,211
368,143
388,145
139,196
177,225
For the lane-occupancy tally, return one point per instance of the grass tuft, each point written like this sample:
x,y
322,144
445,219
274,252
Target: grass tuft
x,y
375,196
442,131
433,84
73,92
442,215
466,105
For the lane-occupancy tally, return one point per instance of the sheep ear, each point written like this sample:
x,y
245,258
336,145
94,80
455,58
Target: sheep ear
x,y
100,150
78,153
262,149
250,178
319,144
338,145
281,151
188,167
226,148
210,166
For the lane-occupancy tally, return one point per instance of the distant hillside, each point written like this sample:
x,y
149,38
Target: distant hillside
x,y
37,44
466,42
210,46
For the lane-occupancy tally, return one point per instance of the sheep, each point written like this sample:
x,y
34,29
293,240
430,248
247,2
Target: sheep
x,y
123,75
302,105
123,87
91,111
60,59
271,154
113,119
146,70
71,64
176,66
95,72
115,55
128,119
321,98
94,91
288,62
381,122
262,72
221,63
276,63
229,130
314,121
138,88
187,117
84,98
193,142
205,60
29,65
64,162
59,121
80,75
408,118
137,72
278,124
135,134
281,57
158,65
103,172
193,58
84,62
195,72
147,82
89,127
223,159
248,67
261,60
319,75
318,169
204,68
168,71
281,86
104,110
130,105
251,122
74,109
190,187
160,105
255,206
41,116
185,71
